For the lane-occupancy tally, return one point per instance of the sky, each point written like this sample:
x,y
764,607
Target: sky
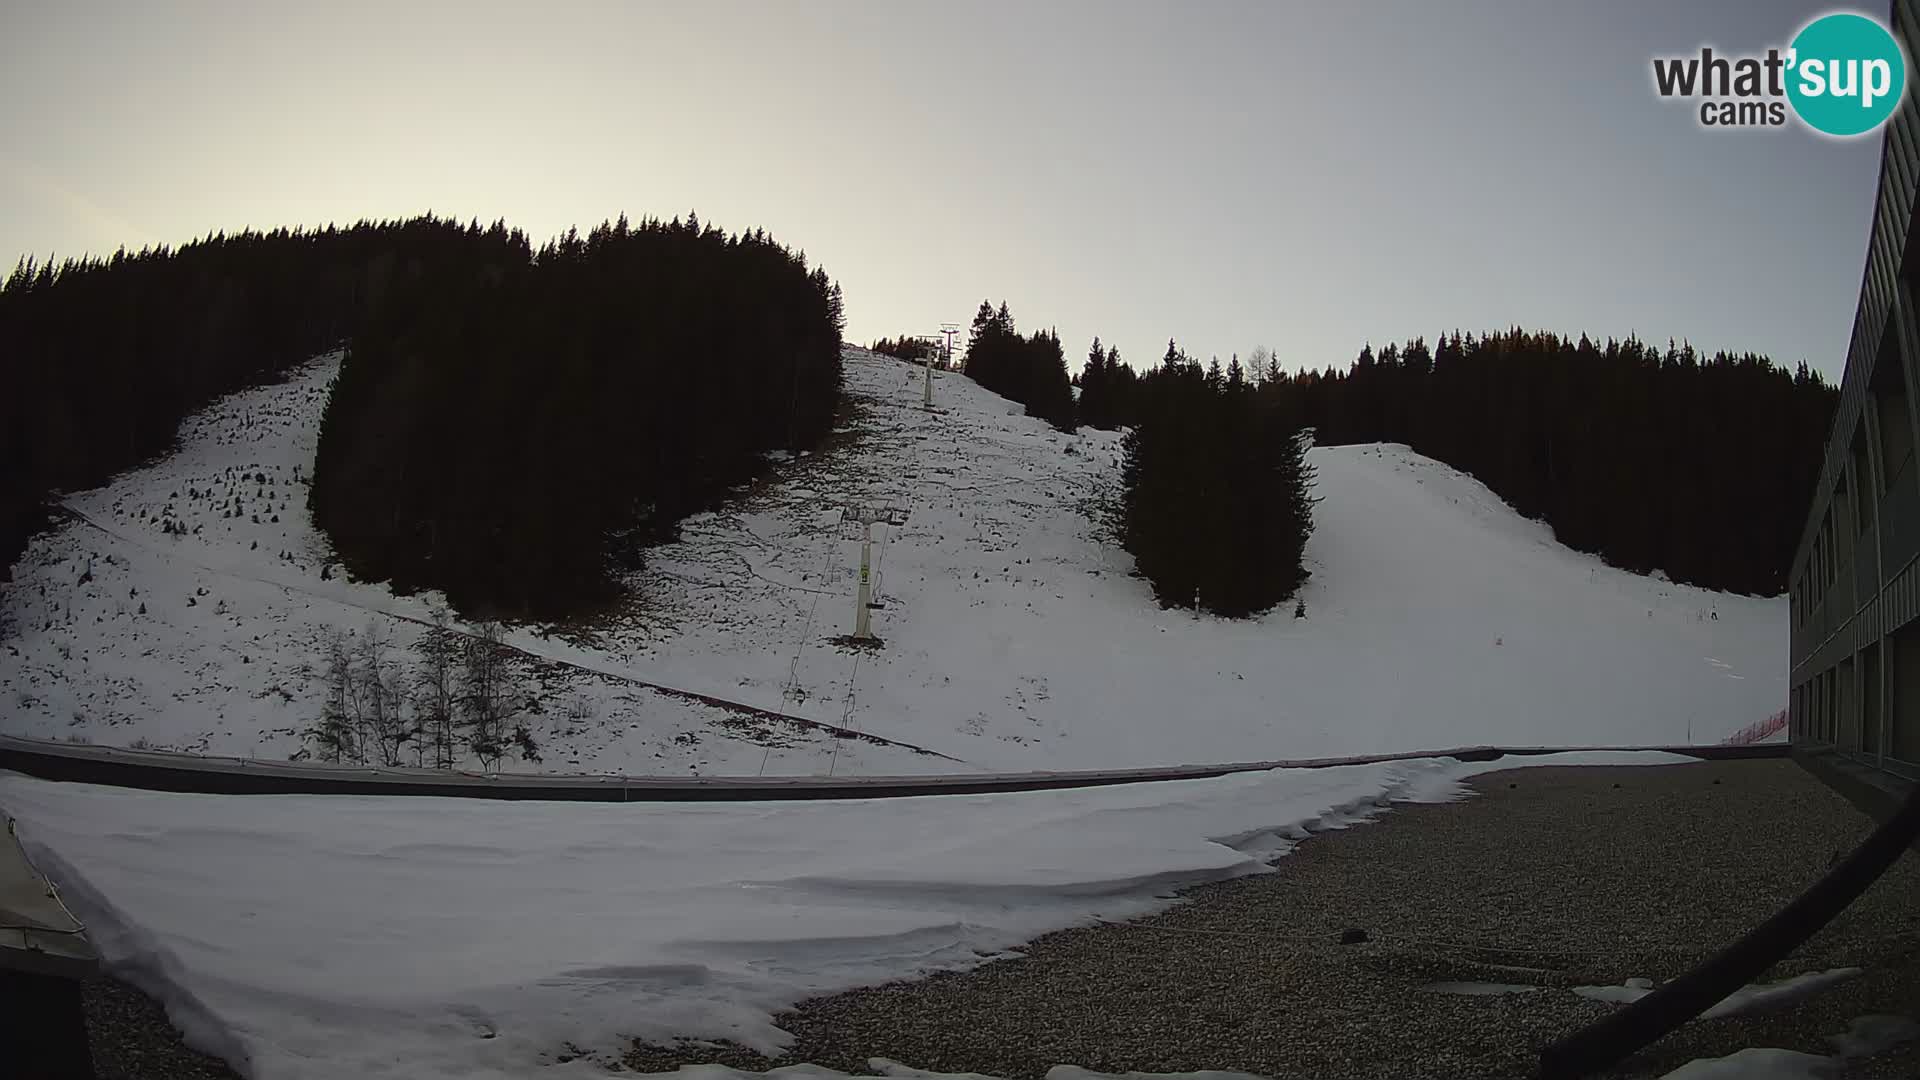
x,y
1301,176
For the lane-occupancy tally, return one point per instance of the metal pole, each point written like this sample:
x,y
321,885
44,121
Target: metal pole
x,y
926,399
861,610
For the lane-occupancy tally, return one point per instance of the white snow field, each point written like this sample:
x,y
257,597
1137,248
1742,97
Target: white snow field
x,y
332,936
1015,637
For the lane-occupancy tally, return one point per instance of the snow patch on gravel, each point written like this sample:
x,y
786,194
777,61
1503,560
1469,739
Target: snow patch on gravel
x,y
1759,997
1754,997
328,936
1758,1063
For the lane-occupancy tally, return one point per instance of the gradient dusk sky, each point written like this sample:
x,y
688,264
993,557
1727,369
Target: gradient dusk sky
x,y
1301,176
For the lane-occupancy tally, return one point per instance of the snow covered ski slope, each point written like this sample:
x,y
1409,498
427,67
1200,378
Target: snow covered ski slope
x,y
1015,636
187,605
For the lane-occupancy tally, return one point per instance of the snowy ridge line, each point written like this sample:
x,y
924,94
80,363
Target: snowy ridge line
x,y
162,770
549,656
1015,638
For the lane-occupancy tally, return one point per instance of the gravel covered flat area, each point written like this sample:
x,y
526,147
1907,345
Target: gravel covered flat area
x,y
131,1038
1549,877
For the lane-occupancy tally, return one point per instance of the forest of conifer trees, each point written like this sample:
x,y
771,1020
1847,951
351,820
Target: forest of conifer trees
x,y
672,357
1698,466
1217,496
1031,370
1657,460
516,438
102,358
918,350
1108,388
1216,502
510,426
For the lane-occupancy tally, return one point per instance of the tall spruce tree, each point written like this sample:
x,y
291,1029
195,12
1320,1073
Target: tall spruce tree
x,y
1096,394
1049,390
1122,383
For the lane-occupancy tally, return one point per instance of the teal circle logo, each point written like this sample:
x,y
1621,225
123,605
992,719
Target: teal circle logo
x,y
1845,74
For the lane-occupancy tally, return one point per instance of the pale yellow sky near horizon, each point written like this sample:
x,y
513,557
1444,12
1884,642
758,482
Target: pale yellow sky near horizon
x,y
1300,176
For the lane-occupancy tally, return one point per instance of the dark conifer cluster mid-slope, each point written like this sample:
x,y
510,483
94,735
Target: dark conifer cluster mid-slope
x,y
1699,466
517,438
1030,370
100,359
1217,501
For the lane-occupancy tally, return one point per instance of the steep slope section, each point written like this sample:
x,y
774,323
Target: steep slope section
x,y
189,603
1013,635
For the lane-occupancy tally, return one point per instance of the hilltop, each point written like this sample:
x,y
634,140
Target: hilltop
x,y
1014,635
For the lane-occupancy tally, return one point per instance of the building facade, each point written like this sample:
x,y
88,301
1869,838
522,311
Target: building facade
x,y
1855,584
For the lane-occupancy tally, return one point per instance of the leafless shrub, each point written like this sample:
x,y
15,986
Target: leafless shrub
x,y
435,693
486,708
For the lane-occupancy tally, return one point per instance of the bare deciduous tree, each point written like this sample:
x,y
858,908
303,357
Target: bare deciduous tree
x,y
386,730
435,692
1258,363
484,693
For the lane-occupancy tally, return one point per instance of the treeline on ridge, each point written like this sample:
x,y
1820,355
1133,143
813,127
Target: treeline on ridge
x,y
517,436
1654,459
1699,466
904,347
101,358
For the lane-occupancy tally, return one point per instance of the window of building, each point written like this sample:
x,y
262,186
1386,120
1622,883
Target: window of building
x,y
1889,397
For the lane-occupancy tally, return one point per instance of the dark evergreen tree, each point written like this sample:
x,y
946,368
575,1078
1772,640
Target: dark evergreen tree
x,y
1122,385
1095,406
1049,392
